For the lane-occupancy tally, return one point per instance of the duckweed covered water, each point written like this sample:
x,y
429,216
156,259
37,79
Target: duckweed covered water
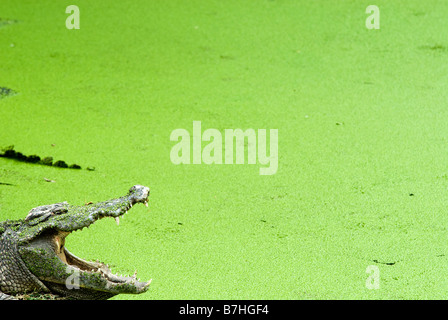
x,y
362,141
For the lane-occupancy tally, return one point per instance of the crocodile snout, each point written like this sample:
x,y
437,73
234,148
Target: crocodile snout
x,y
140,194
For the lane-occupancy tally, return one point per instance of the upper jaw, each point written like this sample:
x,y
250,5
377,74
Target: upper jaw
x,y
68,218
118,207
84,216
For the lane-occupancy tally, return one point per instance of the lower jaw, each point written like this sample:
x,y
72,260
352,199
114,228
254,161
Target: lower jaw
x,y
77,293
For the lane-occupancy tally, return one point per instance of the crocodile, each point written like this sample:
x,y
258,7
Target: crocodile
x,y
34,258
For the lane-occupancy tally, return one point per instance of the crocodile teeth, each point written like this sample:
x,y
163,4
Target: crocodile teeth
x,y
117,220
146,203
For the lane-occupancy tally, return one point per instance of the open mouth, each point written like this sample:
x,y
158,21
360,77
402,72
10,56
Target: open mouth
x,y
93,267
93,278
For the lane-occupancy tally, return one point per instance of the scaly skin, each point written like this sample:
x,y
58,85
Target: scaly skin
x,y
33,257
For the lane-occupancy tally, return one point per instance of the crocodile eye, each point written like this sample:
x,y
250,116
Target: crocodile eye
x,y
44,212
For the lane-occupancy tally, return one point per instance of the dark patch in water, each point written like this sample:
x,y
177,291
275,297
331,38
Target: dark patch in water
x,y
386,263
435,47
6,92
7,22
10,153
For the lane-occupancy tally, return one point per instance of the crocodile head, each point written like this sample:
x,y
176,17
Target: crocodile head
x,y
41,245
